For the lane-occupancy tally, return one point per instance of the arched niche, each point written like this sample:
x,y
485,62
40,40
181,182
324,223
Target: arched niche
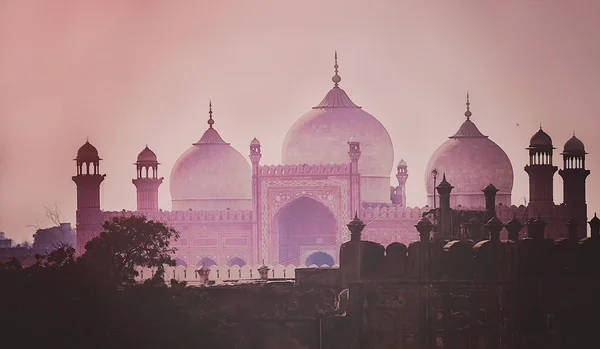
x,y
206,262
320,258
301,226
236,261
179,261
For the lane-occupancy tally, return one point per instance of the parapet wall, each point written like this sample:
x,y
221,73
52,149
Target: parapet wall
x,y
225,274
305,169
190,216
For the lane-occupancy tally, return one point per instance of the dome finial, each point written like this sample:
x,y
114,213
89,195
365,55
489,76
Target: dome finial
x,y
540,126
336,78
468,112
210,119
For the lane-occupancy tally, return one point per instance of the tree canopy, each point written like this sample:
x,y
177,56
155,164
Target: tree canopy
x,y
128,242
92,302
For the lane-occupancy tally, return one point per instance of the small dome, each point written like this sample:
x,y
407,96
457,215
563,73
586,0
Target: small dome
x,y
574,146
540,139
401,163
211,175
470,161
87,152
255,142
147,156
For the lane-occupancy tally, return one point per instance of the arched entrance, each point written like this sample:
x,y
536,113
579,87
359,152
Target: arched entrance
x,y
319,259
303,225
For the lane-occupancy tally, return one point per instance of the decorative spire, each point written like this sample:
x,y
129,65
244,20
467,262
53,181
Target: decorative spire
x,y
336,78
468,112
540,126
210,119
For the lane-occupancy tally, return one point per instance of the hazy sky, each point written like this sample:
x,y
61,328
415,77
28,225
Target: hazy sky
x,y
131,73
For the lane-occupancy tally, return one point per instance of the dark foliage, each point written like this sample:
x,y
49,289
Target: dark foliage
x,y
92,302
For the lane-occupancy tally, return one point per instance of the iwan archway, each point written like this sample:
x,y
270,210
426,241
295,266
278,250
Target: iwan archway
x,y
304,226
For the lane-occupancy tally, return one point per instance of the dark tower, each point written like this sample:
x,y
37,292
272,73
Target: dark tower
x,y
147,181
399,193
444,223
574,175
88,180
541,174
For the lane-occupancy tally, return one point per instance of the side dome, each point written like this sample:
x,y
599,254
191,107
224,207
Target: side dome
x,y
470,161
147,156
211,175
321,137
574,146
87,153
540,140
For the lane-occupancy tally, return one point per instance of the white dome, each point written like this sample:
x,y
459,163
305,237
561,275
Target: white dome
x,y
470,161
321,137
211,175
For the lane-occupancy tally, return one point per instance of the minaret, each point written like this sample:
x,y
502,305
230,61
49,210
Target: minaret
x,y
88,180
354,154
147,180
399,195
541,174
574,175
255,155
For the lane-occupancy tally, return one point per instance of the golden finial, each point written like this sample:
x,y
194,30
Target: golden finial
x,y
468,112
210,119
336,78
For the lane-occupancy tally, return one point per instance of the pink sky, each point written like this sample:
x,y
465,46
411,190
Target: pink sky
x,y
130,73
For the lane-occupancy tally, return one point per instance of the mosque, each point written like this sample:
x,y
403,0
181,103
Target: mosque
x,y
336,161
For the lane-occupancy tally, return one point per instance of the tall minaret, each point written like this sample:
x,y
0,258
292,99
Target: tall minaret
x,y
399,195
541,174
257,241
147,180
88,180
574,175
354,154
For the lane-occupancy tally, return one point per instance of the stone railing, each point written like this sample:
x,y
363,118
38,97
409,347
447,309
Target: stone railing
x,y
224,274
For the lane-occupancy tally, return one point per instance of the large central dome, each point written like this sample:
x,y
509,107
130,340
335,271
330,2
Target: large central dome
x,y
321,137
211,175
470,161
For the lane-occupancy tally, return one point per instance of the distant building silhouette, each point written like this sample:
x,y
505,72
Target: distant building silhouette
x,y
50,238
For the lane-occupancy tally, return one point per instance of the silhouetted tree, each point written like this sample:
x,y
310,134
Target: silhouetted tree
x,y
129,242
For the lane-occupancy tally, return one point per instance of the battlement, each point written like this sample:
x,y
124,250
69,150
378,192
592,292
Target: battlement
x,y
304,169
193,216
462,259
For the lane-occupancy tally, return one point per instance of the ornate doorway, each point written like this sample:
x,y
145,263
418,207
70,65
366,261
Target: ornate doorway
x,y
303,224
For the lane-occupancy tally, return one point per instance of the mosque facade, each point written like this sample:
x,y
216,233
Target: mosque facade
x,y
336,163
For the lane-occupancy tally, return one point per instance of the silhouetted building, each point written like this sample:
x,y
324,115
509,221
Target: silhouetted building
x,y
50,238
